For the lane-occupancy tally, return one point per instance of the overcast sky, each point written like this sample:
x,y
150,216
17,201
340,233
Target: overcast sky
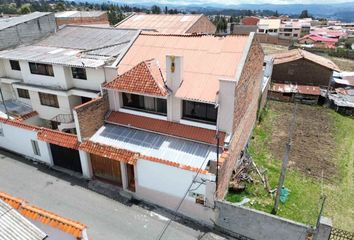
x,y
235,2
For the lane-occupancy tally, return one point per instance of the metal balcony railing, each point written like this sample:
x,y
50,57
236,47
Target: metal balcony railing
x,y
63,118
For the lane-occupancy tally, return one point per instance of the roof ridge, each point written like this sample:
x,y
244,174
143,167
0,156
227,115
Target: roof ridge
x,y
53,216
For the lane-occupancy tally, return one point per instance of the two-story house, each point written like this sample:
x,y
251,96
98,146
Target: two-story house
x,y
63,70
179,114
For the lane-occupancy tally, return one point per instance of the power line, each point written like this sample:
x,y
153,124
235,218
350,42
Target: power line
x,y
180,203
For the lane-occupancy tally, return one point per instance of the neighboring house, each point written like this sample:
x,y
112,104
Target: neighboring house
x,y
20,220
317,41
25,29
300,75
63,70
169,23
237,29
166,110
269,26
294,28
250,20
82,18
341,94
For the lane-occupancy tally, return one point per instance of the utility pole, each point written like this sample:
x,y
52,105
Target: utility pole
x,y
285,161
3,102
217,159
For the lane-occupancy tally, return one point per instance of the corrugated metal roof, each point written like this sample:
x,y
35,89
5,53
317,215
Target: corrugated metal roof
x,y
72,14
52,55
162,23
290,88
10,22
206,59
155,145
94,40
13,226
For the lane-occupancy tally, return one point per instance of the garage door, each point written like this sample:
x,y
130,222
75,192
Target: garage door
x,y
106,169
66,158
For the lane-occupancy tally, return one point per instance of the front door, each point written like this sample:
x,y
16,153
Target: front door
x,y
66,158
106,169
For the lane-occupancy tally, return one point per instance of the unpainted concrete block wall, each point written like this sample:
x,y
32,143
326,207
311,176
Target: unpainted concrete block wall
x,y
253,224
27,32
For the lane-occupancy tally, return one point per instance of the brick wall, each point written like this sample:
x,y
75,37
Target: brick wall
x,y
301,72
266,38
247,97
103,19
203,25
91,115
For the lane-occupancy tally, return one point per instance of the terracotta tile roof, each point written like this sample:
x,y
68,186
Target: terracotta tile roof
x,y
19,124
290,88
206,59
48,218
297,54
173,164
69,226
12,201
27,116
146,78
166,127
163,23
110,152
58,138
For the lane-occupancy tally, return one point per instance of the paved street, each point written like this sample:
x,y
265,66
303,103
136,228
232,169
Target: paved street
x,y
69,197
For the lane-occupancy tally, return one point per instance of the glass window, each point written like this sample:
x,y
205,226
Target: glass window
x,y
144,103
201,112
79,73
23,93
49,100
15,65
35,148
41,69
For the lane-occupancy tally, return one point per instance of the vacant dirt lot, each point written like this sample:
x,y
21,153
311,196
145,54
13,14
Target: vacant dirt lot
x,y
312,149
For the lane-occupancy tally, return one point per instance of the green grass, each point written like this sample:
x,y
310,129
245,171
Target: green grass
x,y
304,198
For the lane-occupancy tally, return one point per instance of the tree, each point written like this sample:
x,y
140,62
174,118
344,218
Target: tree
x,y
166,10
115,15
304,14
60,7
155,9
276,14
25,9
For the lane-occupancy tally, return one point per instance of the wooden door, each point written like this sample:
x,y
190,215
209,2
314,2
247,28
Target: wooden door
x,y
131,177
106,169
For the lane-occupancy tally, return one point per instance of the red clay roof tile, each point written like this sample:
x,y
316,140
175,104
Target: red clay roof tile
x,y
69,226
12,201
165,127
146,78
110,152
58,138
48,218
20,124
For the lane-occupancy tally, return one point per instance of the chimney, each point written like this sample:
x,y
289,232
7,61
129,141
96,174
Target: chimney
x,y
174,72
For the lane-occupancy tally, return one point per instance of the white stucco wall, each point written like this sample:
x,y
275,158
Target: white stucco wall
x,y
166,186
8,72
226,105
19,140
95,77
47,112
7,91
57,81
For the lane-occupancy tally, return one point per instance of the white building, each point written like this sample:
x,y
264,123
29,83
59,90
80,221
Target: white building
x,y
63,70
269,26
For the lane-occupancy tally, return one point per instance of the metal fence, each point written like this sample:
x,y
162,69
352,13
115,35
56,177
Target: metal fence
x,y
339,234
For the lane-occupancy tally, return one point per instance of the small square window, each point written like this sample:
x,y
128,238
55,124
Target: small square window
x,y
79,73
15,65
23,93
49,100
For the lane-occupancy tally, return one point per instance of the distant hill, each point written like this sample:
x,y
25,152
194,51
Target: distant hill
x,y
342,11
